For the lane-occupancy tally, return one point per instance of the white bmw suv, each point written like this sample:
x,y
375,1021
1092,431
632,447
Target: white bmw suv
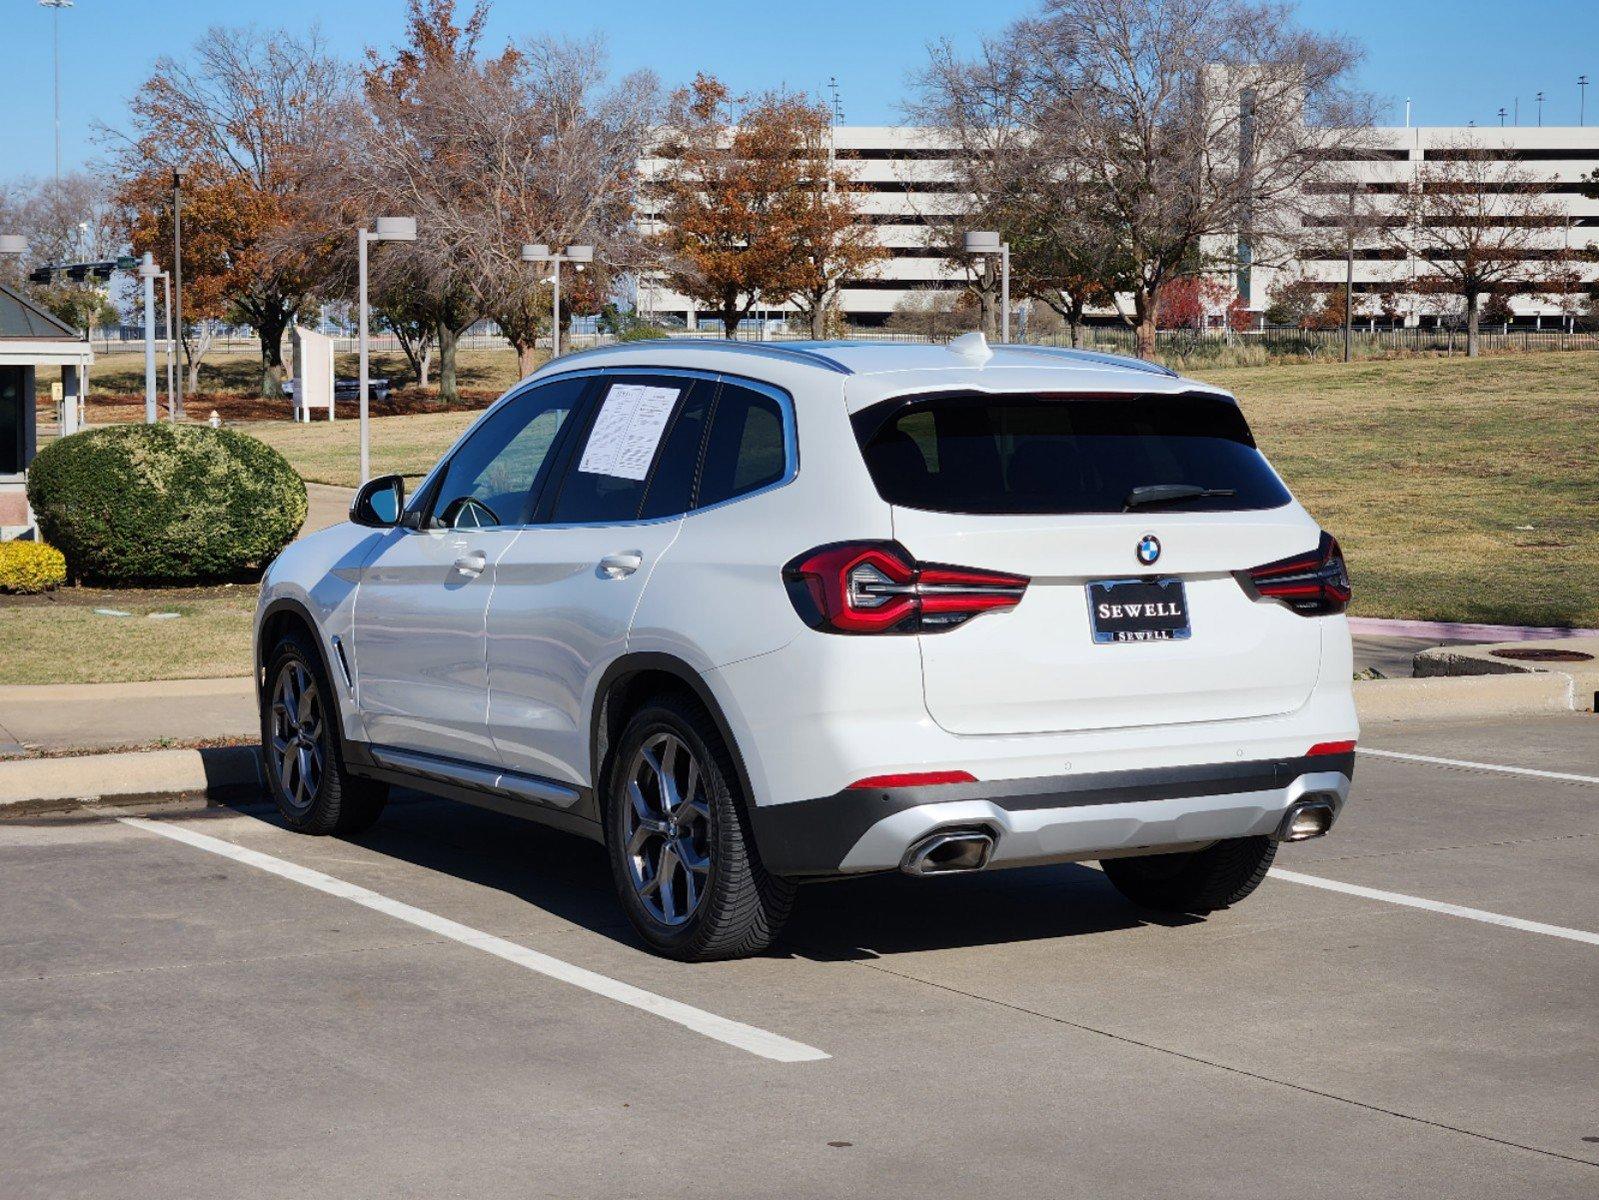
x,y
750,614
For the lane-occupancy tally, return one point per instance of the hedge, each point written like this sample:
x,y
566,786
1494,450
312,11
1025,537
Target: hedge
x,y
28,567
165,504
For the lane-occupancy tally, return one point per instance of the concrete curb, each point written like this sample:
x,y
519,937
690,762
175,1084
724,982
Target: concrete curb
x,y
1440,698
43,783
218,771
1461,631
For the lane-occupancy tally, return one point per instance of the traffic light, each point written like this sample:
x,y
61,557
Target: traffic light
x,y
78,272
40,275
102,271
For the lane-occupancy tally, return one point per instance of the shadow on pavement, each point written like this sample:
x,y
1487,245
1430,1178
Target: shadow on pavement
x,y
854,919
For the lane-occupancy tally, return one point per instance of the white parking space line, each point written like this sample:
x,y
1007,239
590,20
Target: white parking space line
x,y
733,1033
1477,766
1438,906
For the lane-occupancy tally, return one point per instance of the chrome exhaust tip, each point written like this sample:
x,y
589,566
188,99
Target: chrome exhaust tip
x,y
949,853
1306,819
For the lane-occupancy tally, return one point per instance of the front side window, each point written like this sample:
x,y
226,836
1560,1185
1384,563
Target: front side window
x,y
1066,454
494,476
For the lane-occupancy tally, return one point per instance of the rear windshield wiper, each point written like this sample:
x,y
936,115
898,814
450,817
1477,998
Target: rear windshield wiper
x,y
1165,493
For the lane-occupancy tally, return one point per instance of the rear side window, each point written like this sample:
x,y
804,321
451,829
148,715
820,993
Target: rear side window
x,y
745,449
1065,454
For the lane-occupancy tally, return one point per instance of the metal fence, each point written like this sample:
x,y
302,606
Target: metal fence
x,y
1274,342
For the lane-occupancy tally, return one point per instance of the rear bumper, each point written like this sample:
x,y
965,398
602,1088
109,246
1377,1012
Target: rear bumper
x,y
1053,819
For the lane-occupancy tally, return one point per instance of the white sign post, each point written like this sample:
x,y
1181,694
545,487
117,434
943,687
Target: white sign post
x,y
313,373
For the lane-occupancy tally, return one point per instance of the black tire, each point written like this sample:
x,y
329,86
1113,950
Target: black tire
x,y
740,907
1197,881
336,802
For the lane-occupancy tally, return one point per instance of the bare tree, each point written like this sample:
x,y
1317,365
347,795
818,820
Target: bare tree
x,y
69,220
1480,222
249,117
974,107
1189,129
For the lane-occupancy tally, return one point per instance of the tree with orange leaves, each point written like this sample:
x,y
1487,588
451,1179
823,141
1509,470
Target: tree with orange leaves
x,y
249,120
734,199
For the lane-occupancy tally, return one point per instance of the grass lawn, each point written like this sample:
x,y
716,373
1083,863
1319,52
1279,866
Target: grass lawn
x,y
59,638
1461,490
326,452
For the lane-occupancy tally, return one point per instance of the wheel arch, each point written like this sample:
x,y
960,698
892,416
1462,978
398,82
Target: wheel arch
x,y
634,676
277,619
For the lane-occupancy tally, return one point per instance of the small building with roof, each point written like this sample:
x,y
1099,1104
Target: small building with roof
x,y
33,341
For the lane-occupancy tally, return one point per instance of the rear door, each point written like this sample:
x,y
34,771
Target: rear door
x,y
1036,486
567,589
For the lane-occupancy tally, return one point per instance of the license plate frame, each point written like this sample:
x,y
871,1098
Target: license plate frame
x,y
1121,629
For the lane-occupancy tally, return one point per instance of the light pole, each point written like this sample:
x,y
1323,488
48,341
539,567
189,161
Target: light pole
x,y
1501,116
538,252
1539,99
166,287
1582,98
177,271
148,273
986,241
389,229
55,39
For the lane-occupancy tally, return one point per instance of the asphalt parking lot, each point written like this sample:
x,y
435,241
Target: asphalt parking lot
x,y
452,1006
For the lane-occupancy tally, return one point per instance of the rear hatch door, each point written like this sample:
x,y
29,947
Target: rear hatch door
x,y
1035,486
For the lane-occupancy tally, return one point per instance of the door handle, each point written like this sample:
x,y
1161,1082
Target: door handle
x,y
472,564
616,566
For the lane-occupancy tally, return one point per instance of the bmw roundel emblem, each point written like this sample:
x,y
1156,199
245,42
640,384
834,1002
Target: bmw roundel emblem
x,y
1148,549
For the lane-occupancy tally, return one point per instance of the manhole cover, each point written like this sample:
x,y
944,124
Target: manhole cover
x,y
1540,654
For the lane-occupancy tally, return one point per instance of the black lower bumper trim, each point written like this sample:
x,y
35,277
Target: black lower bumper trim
x,y
811,837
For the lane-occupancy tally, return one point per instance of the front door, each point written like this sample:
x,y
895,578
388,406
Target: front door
x,y
419,630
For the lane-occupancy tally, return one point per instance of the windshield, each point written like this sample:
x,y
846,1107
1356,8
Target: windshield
x,y
1066,454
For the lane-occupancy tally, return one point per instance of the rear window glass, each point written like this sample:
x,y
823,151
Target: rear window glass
x,y
1066,454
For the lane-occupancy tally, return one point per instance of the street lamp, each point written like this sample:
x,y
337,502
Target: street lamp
x,y
986,241
148,272
1539,98
389,229
538,252
55,38
1582,98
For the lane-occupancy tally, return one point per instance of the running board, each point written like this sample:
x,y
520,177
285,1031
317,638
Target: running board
x,y
473,775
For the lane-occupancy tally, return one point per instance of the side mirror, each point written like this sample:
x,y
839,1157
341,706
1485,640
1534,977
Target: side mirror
x,y
380,503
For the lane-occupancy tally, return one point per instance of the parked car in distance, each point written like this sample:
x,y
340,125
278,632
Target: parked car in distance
x,y
751,614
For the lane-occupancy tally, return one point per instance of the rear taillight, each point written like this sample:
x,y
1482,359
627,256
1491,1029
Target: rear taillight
x,y
1313,585
876,587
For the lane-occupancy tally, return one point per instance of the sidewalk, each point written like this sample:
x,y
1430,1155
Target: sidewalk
x,y
104,716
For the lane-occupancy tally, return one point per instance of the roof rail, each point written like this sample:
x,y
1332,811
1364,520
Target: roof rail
x,y
775,350
1125,362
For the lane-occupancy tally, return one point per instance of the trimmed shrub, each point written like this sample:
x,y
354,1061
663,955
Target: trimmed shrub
x,y
165,504
28,567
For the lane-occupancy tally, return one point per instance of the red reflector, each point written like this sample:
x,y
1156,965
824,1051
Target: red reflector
x,y
1321,748
914,779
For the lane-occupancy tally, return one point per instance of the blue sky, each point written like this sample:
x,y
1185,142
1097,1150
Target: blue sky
x,y
1459,60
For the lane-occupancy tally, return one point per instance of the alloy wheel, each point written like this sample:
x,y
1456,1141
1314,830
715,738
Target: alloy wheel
x,y
297,728
666,828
